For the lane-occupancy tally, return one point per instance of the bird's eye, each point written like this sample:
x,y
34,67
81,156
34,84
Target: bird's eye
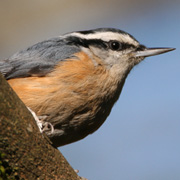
x,y
115,45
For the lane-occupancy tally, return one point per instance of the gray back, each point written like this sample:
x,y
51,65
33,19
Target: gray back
x,y
37,60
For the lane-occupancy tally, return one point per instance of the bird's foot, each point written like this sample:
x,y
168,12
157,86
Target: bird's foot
x,y
39,123
47,126
42,125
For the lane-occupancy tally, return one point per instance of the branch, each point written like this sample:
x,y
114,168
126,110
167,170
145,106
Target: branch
x,y
27,152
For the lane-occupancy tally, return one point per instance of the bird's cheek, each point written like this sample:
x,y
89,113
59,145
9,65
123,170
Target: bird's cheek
x,y
117,56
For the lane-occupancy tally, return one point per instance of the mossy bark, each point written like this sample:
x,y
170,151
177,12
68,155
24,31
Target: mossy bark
x,y
26,150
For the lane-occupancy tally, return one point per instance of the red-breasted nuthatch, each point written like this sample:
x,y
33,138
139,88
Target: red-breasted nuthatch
x,y
73,81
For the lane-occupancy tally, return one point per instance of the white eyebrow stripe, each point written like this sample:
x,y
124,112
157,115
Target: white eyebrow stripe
x,y
106,36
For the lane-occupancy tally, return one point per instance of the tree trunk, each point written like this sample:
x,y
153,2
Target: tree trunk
x,y
25,152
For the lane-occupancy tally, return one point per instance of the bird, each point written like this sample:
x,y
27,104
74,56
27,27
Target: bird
x,y
72,81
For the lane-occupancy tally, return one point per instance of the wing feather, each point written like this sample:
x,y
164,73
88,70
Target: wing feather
x,y
39,59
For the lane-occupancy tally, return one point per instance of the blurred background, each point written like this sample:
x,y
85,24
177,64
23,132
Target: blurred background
x,y
140,140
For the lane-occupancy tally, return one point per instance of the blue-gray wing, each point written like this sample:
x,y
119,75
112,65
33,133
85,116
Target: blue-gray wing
x,y
37,60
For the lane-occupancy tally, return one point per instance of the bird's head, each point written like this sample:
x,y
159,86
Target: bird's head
x,y
114,47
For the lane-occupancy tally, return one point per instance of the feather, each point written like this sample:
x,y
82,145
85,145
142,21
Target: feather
x,y
37,60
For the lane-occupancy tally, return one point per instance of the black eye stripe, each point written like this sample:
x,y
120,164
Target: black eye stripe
x,y
127,46
96,42
74,40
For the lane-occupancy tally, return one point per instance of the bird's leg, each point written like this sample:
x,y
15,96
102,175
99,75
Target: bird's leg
x,y
39,123
42,125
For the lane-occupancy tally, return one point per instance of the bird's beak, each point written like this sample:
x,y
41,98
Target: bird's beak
x,y
152,51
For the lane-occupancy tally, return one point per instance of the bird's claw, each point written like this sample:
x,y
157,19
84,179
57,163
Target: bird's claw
x,y
43,126
46,126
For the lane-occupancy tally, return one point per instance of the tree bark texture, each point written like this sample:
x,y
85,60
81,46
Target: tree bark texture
x,y
26,150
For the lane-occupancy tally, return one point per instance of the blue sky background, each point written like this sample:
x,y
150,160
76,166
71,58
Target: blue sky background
x,y
141,137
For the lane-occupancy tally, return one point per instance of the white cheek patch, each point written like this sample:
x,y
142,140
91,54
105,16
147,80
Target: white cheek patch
x,y
109,57
117,56
102,54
